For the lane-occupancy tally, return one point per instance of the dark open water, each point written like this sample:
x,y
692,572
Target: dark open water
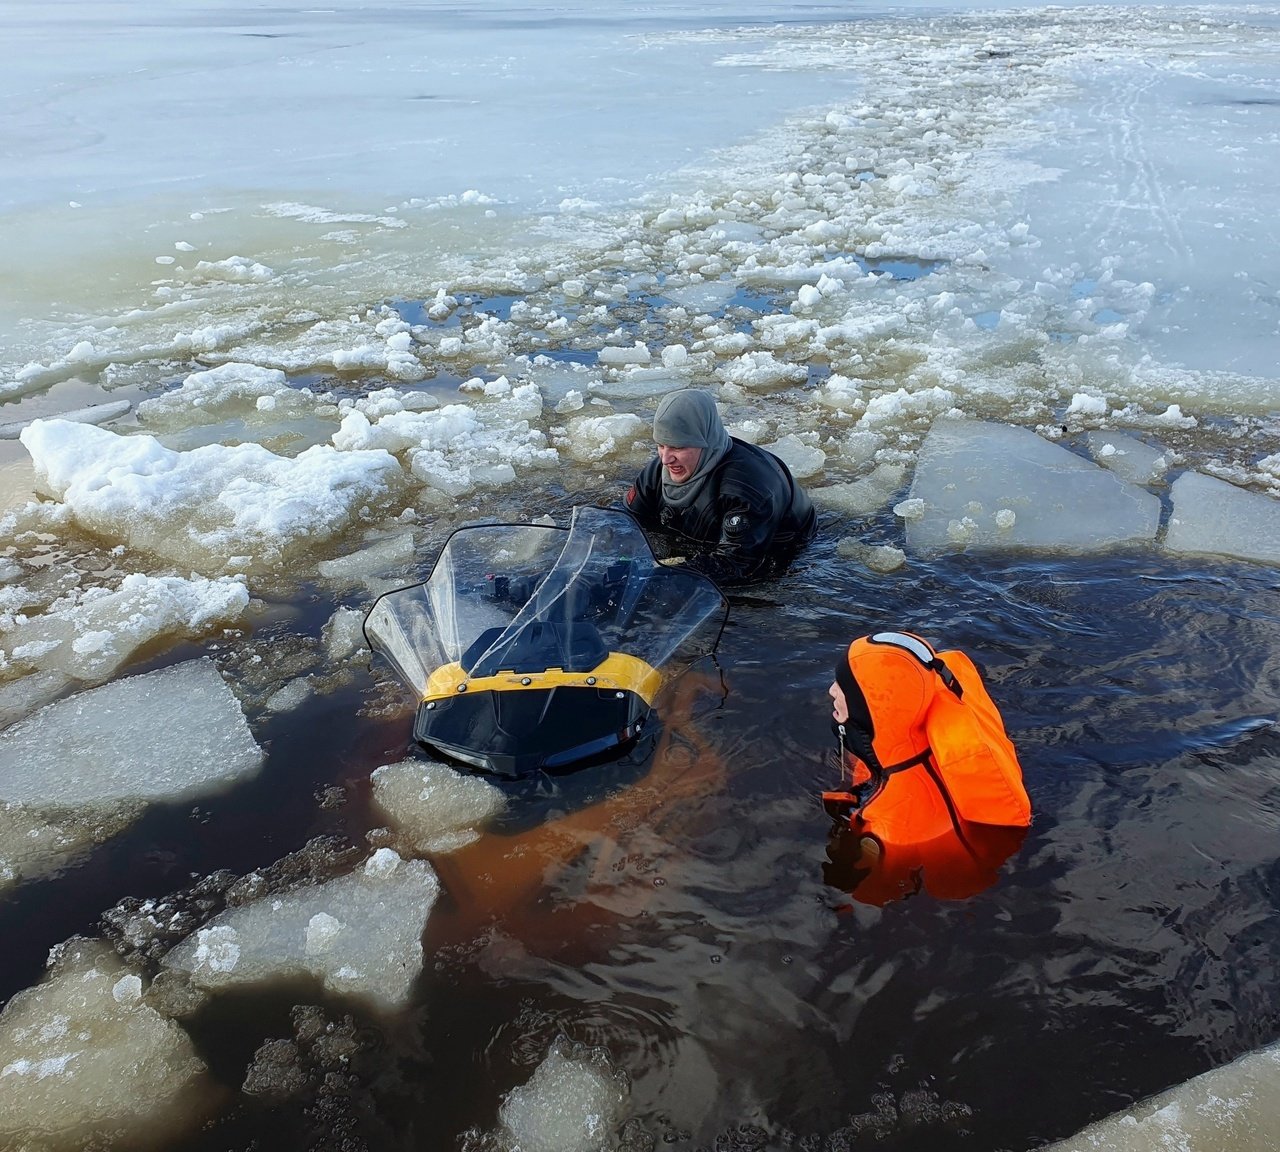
x,y
693,924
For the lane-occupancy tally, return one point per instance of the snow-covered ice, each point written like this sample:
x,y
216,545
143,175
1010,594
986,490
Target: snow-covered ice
x,y
91,634
212,508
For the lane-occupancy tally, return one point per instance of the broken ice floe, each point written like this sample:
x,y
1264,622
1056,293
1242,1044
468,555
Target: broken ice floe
x,y
212,507
1130,458
79,770
804,459
89,634
373,560
233,389
862,497
92,414
457,448
431,806
573,1103
593,438
992,486
1212,516
82,1055
880,558
1228,1107
359,934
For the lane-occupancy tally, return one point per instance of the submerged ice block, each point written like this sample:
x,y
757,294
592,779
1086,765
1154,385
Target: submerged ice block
x,y
993,486
82,1055
573,1103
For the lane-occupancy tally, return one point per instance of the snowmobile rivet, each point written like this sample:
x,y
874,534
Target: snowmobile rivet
x,y
525,680
591,679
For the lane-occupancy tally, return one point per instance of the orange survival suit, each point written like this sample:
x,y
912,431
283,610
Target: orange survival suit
x,y
934,778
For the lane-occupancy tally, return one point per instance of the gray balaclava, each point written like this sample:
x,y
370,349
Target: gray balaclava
x,y
689,419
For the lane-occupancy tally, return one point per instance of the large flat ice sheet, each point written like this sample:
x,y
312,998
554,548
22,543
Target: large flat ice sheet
x,y
992,486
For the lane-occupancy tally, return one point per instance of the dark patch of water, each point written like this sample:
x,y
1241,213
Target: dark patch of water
x,y
754,299
893,267
690,924
569,355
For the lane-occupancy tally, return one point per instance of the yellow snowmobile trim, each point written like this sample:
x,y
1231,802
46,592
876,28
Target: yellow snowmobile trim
x,y
617,672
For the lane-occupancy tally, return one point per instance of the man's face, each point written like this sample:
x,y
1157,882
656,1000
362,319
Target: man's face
x,y
680,463
840,706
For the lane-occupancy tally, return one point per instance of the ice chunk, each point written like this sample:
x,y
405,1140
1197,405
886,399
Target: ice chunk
x,y
19,698
595,437
1229,1107
970,472
457,448
803,459
292,695
323,931
166,735
208,505
434,808
1128,457
371,561
639,384
708,296
761,371
573,1103
862,497
344,633
360,934
93,414
91,634
78,771
81,1054
232,388
1212,516
636,354
36,841
879,558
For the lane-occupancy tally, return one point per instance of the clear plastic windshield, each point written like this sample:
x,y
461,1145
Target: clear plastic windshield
x,y
524,598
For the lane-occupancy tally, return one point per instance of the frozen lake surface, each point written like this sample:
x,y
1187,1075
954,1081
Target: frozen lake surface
x,y
312,286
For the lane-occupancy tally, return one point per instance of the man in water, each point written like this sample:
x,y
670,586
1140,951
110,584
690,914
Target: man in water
x,y
933,796
734,510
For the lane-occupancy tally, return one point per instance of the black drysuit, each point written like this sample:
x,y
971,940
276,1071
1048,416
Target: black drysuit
x,y
748,522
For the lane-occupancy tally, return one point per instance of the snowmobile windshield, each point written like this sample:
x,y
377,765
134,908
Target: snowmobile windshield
x,y
525,598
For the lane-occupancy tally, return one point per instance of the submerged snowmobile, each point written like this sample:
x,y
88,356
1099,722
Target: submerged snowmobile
x,y
536,648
